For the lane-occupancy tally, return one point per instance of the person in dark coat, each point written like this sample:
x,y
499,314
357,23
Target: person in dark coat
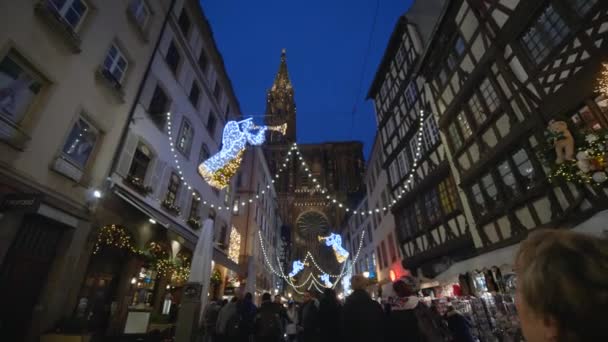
x,y
329,316
459,326
267,321
362,317
309,319
247,312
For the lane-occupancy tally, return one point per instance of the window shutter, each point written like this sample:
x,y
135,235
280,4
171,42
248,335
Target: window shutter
x,y
160,178
128,151
152,174
182,202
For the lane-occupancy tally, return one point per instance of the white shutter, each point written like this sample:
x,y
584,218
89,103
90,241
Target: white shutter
x,y
160,180
126,157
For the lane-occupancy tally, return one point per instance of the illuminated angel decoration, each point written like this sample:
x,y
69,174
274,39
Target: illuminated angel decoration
x,y
325,279
335,242
297,266
219,168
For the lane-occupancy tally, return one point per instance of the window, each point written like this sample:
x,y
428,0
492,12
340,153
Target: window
x,y
204,155
385,261
173,189
72,11
488,93
184,22
430,134
194,208
140,163
217,91
411,95
508,179
211,121
115,63
546,33
447,196
184,140
455,136
479,114
140,12
172,58
402,163
391,247
431,202
203,62
489,187
524,167
478,199
370,237
582,7
585,119
459,46
80,143
159,106
465,128
194,95
18,88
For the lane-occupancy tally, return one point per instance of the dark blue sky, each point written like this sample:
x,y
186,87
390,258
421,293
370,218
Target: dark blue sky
x,y
326,42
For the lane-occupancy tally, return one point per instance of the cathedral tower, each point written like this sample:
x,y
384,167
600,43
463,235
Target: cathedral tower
x,y
281,106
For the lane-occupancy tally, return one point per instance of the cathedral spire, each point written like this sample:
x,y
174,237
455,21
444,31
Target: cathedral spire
x,y
280,104
282,81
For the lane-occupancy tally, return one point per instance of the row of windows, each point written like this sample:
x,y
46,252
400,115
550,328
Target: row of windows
x,y
428,209
514,176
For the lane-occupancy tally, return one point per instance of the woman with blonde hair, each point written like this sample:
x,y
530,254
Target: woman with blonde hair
x,y
562,286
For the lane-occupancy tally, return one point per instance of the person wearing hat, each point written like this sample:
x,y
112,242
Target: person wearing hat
x,y
362,317
410,317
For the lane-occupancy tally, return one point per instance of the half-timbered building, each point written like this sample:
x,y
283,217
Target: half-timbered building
x,y
498,73
431,226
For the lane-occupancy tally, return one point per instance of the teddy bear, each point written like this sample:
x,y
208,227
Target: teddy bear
x,y
563,143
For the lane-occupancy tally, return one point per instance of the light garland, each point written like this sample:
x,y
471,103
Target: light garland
x,y
234,247
603,80
114,236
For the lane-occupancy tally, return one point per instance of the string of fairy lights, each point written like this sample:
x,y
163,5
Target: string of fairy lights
x,y
311,279
294,152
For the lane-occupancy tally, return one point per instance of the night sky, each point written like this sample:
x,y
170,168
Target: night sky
x,y
326,42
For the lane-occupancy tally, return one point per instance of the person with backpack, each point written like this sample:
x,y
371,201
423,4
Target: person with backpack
x,y
409,314
267,321
228,322
247,312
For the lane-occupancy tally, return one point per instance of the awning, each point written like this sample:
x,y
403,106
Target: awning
x,y
504,257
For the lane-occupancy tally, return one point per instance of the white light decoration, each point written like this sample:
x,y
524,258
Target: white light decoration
x,y
219,168
325,279
234,247
335,242
296,267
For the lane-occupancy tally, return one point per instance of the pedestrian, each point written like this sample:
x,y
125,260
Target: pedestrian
x,y
281,311
362,317
408,313
309,319
247,312
267,321
292,326
228,322
330,313
210,315
460,327
562,286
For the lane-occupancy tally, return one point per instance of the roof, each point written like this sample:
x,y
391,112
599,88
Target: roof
x,y
424,15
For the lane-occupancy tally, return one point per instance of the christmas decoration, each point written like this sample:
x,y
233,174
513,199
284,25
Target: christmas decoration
x,y
138,184
325,279
216,277
590,164
219,168
562,140
114,236
234,247
296,267
603,80
335,241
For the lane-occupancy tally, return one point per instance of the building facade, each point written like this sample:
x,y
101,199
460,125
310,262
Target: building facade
x,y
432,229
69,72
259,224
156,199
306,181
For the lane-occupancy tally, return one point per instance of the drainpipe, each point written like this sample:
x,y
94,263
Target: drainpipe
x,y
125,130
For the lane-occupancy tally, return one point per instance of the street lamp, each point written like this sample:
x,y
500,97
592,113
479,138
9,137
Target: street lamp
x,y
366,274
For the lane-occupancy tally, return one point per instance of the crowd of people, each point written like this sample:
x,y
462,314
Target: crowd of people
x,y
561,296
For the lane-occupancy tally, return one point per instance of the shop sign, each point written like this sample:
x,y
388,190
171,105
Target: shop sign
x,y
28,203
